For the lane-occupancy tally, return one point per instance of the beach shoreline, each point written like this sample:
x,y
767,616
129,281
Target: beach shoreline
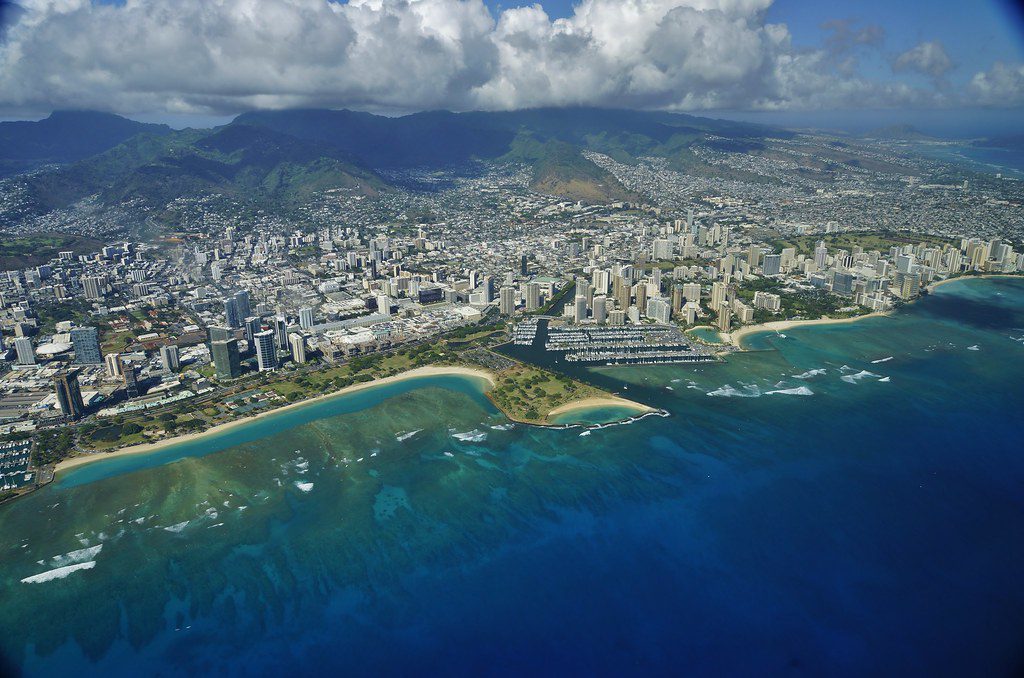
x,y
736,337
596,402
144,448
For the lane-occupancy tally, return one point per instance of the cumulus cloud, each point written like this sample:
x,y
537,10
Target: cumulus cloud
x,y
1001,85
927,58
223,56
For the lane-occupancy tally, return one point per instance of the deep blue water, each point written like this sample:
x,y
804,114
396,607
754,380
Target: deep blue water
x,y
870,528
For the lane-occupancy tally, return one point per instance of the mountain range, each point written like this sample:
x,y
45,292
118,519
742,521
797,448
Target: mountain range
x,y
287,155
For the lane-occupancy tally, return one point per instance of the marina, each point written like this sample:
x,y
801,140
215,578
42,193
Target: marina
x,y
625,345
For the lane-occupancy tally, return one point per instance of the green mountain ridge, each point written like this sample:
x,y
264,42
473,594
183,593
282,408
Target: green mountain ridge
x,y
290,154
236,160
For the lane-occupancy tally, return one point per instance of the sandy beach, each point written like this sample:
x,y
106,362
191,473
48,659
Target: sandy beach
x,y
417,373
589,403
736,337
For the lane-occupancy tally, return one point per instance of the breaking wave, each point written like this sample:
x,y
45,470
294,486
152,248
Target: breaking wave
x,y
58,573
474,436
854,378
798,391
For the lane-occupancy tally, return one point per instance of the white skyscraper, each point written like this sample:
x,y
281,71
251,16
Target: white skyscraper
x,y
266,352
600,309
305,318
298,345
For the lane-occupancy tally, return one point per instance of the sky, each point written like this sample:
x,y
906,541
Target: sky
x,y
868,62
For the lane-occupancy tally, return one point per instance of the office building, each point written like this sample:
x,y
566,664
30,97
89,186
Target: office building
x,y
306,318
252,326
86,343
226,359
113,363
26,355
266,351
232,316
217,333
69,394
242,303
281,332
131,378
170,357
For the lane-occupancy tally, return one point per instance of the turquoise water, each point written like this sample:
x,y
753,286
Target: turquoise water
x,y
812,508
708,334
594,415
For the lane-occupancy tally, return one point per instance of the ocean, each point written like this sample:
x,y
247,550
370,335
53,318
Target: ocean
x,y
842,500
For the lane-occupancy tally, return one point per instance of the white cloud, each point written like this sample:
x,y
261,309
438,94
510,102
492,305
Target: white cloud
x,y
222,56
928,58
1002,85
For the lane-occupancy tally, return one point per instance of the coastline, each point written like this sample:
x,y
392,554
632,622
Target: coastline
x,y
607,401
736,337
143,448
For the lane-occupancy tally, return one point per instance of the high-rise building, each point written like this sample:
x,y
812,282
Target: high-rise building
x,y
659,309
170,357
754,257
226,360
580,309
69,394
26,355
772,264
384,304
298,346
719,291
93,286
281,332
266,352
305,318
691,292
523,269
640,292
600,309
86,342
242,303
724,318
218,333
842,283
131,378
507,300
253,325
820,256
532,296
232,316
662,249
